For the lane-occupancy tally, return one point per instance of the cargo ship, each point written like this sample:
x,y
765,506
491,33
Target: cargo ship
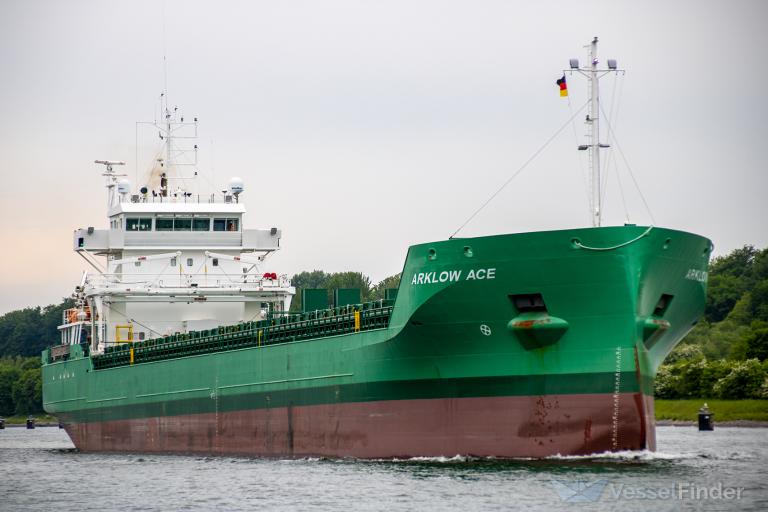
x,y
181,340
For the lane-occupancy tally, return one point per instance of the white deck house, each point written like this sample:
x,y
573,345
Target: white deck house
x,y
169,265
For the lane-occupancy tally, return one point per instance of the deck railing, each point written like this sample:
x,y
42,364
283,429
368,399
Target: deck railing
x,y
279,329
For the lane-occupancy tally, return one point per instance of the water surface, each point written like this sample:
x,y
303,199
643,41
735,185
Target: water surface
x,y
40,470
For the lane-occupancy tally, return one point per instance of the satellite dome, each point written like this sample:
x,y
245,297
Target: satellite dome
x,y
123,187
236,185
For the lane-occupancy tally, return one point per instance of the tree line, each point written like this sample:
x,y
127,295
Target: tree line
x,y
28,331
21,386
724,356
319,279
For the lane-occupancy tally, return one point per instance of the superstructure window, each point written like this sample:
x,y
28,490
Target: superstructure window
x,y
201,224
228,224
181,224
138,224
164,224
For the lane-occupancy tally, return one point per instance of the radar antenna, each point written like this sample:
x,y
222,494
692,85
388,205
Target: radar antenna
x,y
109,163
112,180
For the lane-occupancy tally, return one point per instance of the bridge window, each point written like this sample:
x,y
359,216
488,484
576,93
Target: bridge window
x,y
164,224
138,224
228,224
182,224
201,224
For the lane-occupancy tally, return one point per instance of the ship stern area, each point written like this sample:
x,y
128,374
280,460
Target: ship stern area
x,y
548,348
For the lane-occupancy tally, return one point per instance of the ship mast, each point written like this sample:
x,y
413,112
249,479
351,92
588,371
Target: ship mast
x,y
594,135
171,130
168,135
593,74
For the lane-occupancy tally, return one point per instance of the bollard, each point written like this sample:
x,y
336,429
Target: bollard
x,y
705,418
30,422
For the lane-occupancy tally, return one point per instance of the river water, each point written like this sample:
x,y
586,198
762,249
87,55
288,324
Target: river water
x,y
721,470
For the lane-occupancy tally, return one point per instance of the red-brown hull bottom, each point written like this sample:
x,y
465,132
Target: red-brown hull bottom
x,y
533,426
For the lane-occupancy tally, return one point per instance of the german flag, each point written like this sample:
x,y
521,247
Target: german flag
x,y
563,86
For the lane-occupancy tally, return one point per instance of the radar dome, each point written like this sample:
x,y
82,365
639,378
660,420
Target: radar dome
x,y
123,187
236,185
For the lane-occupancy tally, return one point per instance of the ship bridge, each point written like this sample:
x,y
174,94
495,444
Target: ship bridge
x,y
150,226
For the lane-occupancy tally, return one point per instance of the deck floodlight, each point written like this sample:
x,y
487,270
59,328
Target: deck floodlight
x,y
574,63
611,63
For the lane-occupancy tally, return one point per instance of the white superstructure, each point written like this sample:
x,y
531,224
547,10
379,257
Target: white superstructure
x,y
170,260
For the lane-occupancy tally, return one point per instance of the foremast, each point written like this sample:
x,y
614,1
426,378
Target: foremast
x,y
593,73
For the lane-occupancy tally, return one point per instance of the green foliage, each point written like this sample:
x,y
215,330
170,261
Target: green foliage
x,y
28,392
377,292
20,386
731,276
745,380
723,291
350,280
8,376
702,378
685,352
26,332
314,279
320,279
739,263
759,302
736,312
757,343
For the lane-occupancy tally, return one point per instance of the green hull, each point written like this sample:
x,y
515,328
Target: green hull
x,y
501,328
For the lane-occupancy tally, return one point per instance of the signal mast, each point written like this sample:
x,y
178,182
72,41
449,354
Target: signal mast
x,y
593,74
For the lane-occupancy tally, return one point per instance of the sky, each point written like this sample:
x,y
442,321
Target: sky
x,y
363,127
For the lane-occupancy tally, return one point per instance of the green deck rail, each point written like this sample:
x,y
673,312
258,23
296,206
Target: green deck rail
x,y
280,329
